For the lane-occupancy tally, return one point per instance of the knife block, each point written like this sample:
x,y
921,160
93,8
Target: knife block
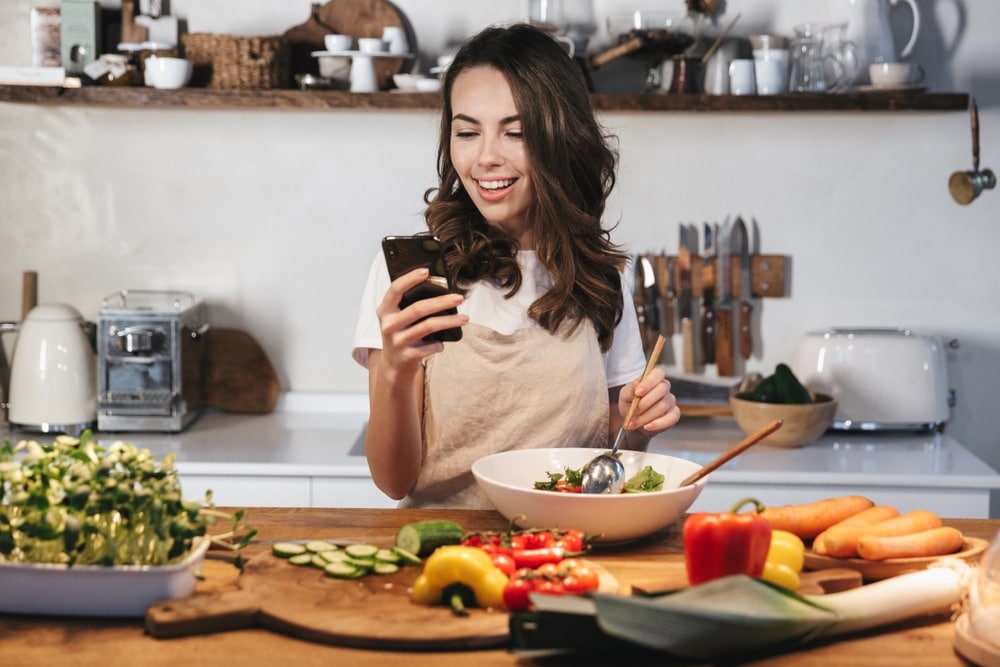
x,y
768,275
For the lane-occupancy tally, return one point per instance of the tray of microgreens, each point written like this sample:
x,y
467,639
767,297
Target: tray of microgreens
x,y
88,529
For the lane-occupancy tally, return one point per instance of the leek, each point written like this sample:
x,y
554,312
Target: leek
x,y
739,614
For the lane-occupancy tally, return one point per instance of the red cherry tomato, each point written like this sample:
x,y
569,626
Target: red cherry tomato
x,y
505,563
515,594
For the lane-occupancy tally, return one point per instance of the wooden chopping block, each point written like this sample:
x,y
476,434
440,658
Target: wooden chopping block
x,y
301,601
368,18
238,375
305,38
819,582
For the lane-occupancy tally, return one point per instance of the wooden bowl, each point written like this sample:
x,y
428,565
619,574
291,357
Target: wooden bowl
x,y
802,423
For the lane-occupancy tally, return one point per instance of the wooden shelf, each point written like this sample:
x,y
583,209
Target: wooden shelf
x,y
203,98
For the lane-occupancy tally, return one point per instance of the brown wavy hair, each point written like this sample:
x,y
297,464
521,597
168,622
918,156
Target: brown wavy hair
x,y
572,165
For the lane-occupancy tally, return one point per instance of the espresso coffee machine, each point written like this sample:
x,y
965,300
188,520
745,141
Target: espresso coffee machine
x,y
150,349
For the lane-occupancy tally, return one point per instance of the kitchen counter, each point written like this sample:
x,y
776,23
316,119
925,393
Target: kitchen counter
x,y
54,642
309,452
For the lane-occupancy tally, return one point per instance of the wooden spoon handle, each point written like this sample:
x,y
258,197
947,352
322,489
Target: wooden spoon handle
x,y
735,450
654,358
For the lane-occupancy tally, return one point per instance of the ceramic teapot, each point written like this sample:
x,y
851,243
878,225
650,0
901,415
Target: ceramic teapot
x,y
52,385
869,28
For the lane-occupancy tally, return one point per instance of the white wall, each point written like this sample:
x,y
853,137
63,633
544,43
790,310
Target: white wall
x,y
273,216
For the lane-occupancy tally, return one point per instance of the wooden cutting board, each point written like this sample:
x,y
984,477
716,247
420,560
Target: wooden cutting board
x,y
238,375
301,601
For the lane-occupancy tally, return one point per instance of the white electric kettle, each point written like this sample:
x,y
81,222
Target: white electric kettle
x,y
52,386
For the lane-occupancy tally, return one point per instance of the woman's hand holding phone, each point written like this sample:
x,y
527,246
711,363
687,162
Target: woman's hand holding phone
x,y
408,332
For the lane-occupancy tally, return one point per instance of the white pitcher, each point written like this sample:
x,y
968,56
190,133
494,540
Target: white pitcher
x,y
869,28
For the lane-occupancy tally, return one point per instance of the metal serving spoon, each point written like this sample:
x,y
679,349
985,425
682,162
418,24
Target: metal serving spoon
x,y
605,473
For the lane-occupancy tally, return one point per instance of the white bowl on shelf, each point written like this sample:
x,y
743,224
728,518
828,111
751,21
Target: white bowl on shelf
x,y
168,73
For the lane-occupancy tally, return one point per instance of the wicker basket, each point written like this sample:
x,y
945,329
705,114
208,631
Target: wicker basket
x,y
238,63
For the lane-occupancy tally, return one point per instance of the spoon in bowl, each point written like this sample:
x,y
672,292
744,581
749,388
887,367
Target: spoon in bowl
x,y
605,473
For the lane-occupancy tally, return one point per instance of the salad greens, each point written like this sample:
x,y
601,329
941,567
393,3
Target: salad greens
x,y
75,501
571,481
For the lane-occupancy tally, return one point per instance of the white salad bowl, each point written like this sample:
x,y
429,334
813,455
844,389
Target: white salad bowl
x,y
508,480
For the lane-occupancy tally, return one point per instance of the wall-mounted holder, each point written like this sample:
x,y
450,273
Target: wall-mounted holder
x,y
965,186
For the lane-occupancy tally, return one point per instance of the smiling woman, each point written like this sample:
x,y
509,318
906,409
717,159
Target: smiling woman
x,y
524,173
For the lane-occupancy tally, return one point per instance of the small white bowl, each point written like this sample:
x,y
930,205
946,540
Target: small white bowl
x,y
168,73
508,479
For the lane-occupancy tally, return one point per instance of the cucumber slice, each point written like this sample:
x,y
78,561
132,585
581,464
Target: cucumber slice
x,y
406,557
334,555
301,559
319,546
318,560
343,571
385,568
387,556
287,549
366,564
361,550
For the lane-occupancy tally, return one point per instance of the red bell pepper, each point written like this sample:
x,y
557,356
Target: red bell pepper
x,y
720,544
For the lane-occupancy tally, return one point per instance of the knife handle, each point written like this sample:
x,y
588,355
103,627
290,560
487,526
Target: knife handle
x,y
687,345
708,334
746,342
724,341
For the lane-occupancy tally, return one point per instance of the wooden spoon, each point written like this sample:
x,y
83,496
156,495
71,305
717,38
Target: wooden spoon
x,y
735,450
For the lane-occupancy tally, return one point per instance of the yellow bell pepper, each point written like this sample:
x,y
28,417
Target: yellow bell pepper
x,y
460,576
785,559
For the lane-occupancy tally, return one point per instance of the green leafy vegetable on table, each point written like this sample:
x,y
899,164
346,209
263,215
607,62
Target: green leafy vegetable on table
x,y
77,502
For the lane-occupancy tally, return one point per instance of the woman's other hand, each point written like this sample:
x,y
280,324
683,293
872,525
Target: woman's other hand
x,y
656,412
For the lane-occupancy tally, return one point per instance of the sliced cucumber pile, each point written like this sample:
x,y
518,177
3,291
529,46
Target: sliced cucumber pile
x,y
350,562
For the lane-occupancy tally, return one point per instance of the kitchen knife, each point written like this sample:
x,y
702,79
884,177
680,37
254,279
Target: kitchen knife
x,y
651,301
740,247
707,337
684,305
724,304
665,289
639,298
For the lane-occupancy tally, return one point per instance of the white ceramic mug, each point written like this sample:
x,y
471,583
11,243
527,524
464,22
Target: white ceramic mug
x,y
395,39
770,76
895,75
371,45
741,77
334,42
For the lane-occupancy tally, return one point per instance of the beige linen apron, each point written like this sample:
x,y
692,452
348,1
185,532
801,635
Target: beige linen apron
x,y
492,392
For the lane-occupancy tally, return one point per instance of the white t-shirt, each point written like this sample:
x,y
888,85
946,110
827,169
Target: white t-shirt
x,y
486,305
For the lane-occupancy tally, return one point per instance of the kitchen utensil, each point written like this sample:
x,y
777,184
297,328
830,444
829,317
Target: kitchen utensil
x,y
687,75
724,304
718,40
52,387
239,376
665,290
374,612
742,78
662,35
605,473
882,378
868,27
688,245
734,451
965,186
508,481
707,321
644,297
740,248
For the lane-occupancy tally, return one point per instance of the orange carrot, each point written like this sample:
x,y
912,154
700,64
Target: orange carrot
x,y
866,517
934,542
842,542
808,520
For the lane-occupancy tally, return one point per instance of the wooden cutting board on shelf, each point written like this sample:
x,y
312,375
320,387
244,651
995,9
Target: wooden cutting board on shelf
x,y
238,375
301,601
367,18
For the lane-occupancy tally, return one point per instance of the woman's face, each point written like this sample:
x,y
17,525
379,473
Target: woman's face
x,y
488,150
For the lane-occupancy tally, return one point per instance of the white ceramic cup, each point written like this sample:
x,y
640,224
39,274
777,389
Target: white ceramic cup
x,y
371,45
894,75
168,73
770,76
742,80
334,42
395,39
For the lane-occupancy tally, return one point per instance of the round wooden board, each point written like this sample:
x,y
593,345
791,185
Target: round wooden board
x,y
873,570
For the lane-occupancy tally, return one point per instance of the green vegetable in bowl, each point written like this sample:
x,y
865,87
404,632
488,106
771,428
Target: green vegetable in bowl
x,y
780,387
645,480
75,501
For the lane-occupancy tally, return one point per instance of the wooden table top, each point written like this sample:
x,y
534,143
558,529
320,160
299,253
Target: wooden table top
x,y
60,641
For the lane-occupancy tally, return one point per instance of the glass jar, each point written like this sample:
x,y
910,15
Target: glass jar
x,y
132,52
111,69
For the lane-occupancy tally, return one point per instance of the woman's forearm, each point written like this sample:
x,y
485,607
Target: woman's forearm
x,y
392,439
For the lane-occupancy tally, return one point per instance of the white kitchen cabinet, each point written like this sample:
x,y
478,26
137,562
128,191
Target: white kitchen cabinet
x,y
249,490
348,492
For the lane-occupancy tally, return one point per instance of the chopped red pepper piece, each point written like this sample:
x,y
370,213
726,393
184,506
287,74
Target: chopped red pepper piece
x,y
720,544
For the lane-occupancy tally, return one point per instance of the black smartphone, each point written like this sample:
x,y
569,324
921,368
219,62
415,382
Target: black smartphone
x,y
405,253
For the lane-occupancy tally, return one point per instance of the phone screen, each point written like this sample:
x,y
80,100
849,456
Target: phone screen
x,y
405,253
